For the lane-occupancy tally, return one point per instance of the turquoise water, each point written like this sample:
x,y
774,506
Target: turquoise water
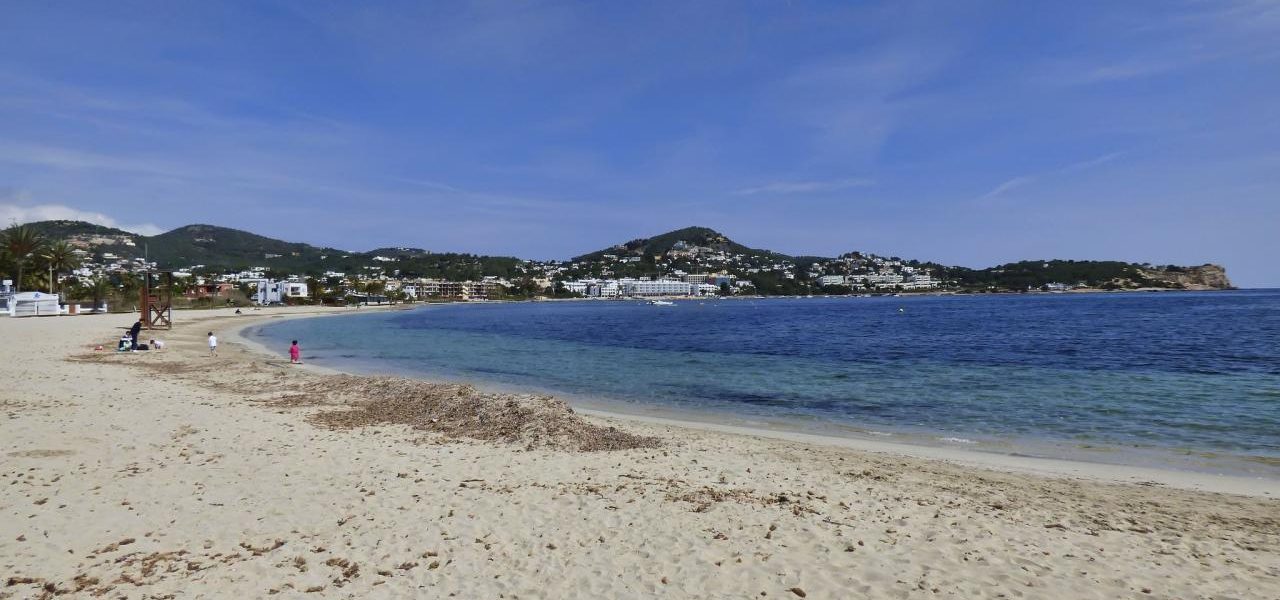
x,y
1185,378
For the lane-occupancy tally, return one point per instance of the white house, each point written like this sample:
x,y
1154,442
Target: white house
x,y
271,291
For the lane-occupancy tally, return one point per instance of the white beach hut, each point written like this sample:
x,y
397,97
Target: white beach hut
x,y
33,304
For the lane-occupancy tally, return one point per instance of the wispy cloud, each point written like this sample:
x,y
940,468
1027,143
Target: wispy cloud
x,y
1009,186
1188,35
11,214
431,185
804,187
1132,69
1020,181
1091,163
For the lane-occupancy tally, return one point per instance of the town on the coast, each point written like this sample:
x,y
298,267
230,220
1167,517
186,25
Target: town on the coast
x,y
57,263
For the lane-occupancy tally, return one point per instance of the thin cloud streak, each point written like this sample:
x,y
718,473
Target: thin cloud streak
x,y
1024,180
1009,186
804,187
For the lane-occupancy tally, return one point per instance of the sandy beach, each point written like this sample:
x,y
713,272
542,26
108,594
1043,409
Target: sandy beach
x,y
178,474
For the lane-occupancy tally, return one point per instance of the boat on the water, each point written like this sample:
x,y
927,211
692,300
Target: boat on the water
x,y
661,303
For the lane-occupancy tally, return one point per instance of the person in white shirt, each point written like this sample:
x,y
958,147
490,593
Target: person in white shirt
x,y
157,344
213,344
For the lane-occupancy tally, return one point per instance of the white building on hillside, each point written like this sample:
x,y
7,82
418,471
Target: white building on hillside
x,y
660,287
273,292
920,281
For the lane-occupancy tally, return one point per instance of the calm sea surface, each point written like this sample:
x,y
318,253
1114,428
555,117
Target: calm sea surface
x,y
1188,379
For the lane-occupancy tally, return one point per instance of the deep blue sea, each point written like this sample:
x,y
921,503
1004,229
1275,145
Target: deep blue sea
x,y
1183,378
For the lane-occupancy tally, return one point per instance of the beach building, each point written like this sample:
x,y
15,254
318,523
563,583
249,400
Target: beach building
x,y
450,289
202,290
423,288
919,281
6,295
367,299
32,304
274,292
595,288
608,289
659,287
715,279
826,280
482,290
879,280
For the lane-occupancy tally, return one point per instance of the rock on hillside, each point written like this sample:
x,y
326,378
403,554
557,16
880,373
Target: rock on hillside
x,y
1204,277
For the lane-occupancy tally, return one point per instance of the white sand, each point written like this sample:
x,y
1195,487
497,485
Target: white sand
x,y
221,493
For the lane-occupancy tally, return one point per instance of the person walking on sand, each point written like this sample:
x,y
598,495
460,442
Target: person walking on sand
x,y
213,344
295,353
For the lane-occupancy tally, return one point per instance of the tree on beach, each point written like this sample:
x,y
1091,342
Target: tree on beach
x,y
100,287
60,257
21,243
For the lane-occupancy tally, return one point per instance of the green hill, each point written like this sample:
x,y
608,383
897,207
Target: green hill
x,y
221,247
661,244
69,229
224,249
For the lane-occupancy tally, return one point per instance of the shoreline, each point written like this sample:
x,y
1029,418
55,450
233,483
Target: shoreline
x,y
1254,486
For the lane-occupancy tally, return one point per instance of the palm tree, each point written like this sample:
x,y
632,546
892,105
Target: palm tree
x,y
61,257
313,287
21,242
100,287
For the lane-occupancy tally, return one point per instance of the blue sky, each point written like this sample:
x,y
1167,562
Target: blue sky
x,y
971,133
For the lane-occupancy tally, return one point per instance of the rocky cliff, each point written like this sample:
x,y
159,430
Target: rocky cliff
x,y
1204,277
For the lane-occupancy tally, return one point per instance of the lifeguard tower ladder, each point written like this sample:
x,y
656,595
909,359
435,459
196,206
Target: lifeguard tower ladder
x,y
157,300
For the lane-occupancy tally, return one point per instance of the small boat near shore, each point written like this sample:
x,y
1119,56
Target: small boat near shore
x,y
661,303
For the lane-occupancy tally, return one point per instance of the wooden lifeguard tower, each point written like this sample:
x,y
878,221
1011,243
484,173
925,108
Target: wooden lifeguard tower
x,y
157,300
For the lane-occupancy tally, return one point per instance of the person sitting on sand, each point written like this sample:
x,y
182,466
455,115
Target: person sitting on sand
x,y
295,353
213,344
126,343
157,344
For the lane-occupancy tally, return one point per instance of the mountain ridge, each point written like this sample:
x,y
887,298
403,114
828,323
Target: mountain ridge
x,y
224,248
